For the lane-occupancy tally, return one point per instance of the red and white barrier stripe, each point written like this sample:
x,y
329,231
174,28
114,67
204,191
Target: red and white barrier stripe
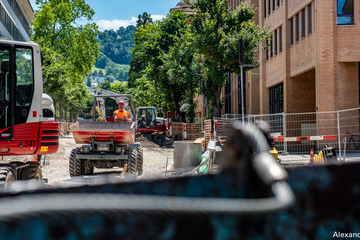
x,y
185,137
215,128
62,131
300,139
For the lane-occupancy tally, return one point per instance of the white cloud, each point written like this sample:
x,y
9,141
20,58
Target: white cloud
x,y
157,17
116,23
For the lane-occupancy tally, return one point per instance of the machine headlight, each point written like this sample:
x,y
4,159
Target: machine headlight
x,y
85,149
119,149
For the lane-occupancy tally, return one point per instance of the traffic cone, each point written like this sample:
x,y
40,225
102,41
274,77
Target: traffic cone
x,y
312,159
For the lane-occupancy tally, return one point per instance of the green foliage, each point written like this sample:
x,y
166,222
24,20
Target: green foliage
x,y
120,87
105,85
88,83
115,46
101,74
216,30
68,50
143,19
164,70
183,67
113,71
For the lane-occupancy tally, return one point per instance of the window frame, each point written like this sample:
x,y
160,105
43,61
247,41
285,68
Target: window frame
x,y
33,80
276,99
303,30
271,46
273,7
280,39
297,27
345,15
265,12
291,31
309,18
275,42
269,12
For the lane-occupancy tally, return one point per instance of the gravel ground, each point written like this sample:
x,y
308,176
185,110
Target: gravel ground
x,y
57,172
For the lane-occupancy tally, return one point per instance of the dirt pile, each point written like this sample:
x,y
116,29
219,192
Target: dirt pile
x,y
145,143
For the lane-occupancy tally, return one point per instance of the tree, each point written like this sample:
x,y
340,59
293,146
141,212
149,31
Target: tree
x,y
88,82
152,44
120,87
143,19
101,74
105,85
55,29
184,67
216,30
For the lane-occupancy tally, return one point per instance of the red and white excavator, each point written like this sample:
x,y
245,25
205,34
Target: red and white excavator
x,y
27,124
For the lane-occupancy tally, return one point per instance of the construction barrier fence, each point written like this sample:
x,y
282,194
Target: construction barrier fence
x,y
296,134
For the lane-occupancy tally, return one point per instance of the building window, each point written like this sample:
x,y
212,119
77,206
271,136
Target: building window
x,y
269,7
291,31
267,50
275,41
280,39
309,19
278,3
297,27
345,12
303,23
271,47
277,99
264,8
273,5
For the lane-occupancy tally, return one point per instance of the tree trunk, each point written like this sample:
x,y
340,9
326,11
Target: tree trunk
x,y
66,122
61,117
55,107
71,116
177,111
217,105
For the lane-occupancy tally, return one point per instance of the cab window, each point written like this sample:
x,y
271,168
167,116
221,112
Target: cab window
x,y
24,83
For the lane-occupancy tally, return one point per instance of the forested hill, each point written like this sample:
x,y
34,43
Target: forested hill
x,y
115,45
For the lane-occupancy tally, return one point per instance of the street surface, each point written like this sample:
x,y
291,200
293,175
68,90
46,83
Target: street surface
x,y
57,173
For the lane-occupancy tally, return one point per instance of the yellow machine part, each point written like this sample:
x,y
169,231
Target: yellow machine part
x,y
274,152
319,158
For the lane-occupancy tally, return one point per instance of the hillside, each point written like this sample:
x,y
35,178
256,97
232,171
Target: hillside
x,y
115,45
115,54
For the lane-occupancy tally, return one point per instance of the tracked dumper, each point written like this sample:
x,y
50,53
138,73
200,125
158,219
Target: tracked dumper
x,y
106,145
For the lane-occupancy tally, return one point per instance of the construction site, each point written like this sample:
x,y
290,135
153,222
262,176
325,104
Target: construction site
x,y
84,162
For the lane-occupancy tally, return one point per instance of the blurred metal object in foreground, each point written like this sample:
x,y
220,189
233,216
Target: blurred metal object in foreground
x,y
248,200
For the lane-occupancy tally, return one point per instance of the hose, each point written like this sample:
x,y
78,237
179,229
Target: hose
x,y
25,205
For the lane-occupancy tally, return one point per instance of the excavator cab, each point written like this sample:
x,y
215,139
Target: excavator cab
x,y
146,118
27,124
151,126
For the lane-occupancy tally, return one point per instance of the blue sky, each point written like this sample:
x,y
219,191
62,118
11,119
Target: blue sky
x,y
117,13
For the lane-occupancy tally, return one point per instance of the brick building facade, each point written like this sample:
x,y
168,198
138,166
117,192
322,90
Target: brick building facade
x,y
312,63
